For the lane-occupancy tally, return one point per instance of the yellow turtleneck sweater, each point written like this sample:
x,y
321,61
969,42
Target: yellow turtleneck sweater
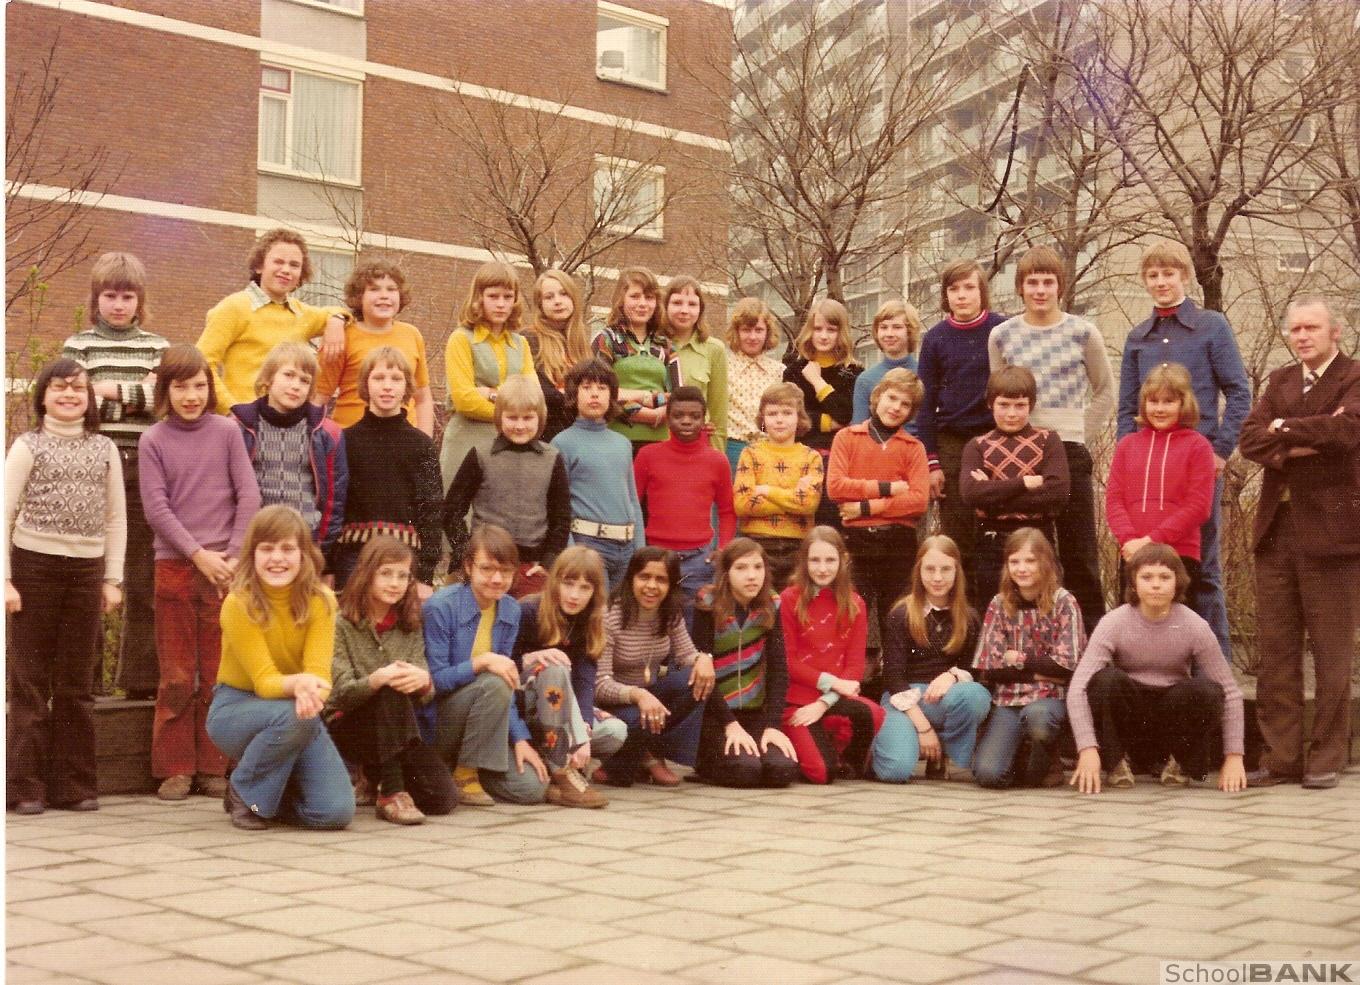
x,y
256,658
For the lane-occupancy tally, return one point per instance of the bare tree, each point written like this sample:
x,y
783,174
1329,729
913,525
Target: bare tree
x,y
826,107
1212,109
50,186
559,191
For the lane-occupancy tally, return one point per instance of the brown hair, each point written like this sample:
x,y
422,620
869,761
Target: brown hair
x,y
261,250
179,363
1172,378
388,356
521,393
559,348
676,285
916,598
65,369
493,273
843,587
1155,554
355,601
554,628
833,311
271,525
1168,253
902,380
748,312
955,271
298,354
897,308
118,272
364,276
1012,381
786,395
493,541
1049,582
645,279
724,601
1039,260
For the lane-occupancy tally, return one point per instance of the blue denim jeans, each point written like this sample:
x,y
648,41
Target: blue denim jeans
x,y
1040,721
679,740
696,571
955,717
615,553
1209,600
285,765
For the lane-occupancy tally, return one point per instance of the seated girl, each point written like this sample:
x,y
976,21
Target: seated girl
x,y
380,678
278,635
737,620
1152,685
825,624
644,633
933,706
1031,638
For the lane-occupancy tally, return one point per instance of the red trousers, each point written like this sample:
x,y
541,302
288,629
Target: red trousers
x,y
844,734
188,649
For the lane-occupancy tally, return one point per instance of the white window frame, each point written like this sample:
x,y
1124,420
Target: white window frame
x,y
294,66
634,18
1286,255
356,11
318,247
655,230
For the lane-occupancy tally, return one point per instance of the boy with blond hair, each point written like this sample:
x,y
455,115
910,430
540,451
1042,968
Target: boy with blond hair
x,y
1067,356
298,453
1179,331
120,358
897,333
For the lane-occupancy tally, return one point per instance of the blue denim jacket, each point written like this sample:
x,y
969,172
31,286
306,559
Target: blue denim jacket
x,y
1203,342
451,617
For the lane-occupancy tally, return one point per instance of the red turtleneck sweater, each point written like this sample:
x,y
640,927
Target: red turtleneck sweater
x,y
678,484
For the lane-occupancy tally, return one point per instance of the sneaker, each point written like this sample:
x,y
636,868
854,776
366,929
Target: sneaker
x,y
176,787
1121,777
210,786
1172,775
568,788
470,789
29,808
364,794
1321,781
399,809
1265,777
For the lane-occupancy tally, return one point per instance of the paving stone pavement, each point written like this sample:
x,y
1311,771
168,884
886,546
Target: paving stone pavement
x,y
853,884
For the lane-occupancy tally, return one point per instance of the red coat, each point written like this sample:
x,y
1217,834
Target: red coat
x,y
1161,486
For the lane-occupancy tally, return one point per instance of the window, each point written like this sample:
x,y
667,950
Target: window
x,y
329,272
309,124
630,46
355,7
630,197
1295,262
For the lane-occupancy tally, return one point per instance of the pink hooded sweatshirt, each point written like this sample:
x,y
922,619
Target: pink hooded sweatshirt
x,y
1161,486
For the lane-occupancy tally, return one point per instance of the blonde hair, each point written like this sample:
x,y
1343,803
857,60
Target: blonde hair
x,y
298,354
1168,253
493,273
1049,582
269,526
676,285
833,311
118,272
903,381
1173,379
847,610
955,271
559,349
386,355
520,394
554,627
897,308
917,597
784,395
645,279
750,312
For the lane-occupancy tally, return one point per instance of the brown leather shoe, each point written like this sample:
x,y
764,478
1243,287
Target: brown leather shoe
x,y
242,816
211,786
176,787
655,771
399,809
568,788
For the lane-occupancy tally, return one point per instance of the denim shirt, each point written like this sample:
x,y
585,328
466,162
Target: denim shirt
x,y
451,617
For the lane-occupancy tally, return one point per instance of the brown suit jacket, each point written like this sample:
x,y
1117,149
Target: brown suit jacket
x,y
1324,489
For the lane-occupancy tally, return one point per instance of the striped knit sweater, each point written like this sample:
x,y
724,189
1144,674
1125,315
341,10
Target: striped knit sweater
x,y
748,659
633,657
123,356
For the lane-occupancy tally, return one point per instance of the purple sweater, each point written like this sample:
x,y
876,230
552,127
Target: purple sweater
x,y
198,486
1157,654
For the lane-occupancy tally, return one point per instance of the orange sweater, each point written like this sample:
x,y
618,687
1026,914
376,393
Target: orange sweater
x,y
859,463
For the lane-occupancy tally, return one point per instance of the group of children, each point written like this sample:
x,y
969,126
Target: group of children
x,y
664,546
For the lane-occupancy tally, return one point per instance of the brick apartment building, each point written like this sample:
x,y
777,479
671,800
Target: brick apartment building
x,y
225,118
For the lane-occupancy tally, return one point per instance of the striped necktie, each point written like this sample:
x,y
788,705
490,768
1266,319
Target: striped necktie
x,y
1310,379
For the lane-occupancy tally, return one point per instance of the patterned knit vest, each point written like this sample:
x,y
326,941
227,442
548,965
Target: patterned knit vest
x,y
283,466
1010,456
66,494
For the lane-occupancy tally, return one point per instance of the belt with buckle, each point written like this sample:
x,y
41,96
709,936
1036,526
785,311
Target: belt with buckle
x,y
605,531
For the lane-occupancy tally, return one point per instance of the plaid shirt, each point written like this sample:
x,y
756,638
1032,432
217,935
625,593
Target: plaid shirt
x,y
1058,636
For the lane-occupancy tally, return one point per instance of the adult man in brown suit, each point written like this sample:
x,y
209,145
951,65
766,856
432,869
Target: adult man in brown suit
x,y
1305,430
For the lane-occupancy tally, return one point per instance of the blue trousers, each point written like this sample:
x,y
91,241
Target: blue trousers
x,y
678,741
696,571
1040,721
285,765
955,717
615,553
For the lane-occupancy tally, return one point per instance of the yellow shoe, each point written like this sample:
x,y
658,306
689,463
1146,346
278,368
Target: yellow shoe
x,y
470,790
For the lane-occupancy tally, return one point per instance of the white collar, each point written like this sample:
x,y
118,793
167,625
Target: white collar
x,y
1321,369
